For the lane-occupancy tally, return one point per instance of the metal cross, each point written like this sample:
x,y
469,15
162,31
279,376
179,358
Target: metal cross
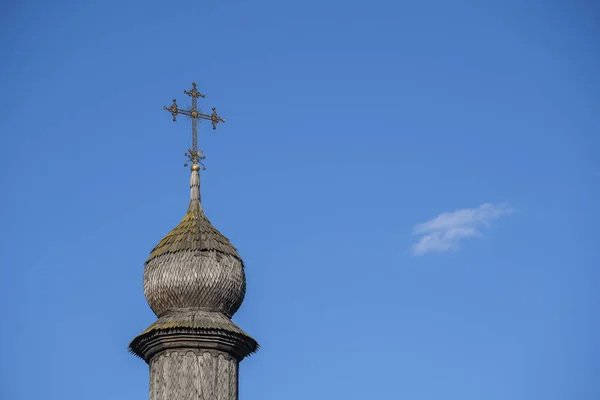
x,y
195,114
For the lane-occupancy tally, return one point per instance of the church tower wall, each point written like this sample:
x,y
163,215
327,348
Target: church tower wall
x,y
193,374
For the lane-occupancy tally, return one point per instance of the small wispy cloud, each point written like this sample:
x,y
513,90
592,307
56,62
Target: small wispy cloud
x,y
444,232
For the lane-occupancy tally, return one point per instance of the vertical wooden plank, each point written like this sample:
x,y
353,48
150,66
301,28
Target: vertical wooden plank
x,y
173,391
207,376
222,381
233,380
160,378
153,377
187,377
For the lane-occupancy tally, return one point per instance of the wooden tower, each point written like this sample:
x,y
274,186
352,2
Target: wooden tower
x,y
194,281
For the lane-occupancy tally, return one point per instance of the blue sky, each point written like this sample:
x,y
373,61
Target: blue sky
x,y
356,132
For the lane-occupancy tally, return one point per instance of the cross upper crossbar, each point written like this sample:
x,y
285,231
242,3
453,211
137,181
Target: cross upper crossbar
x,y
196,114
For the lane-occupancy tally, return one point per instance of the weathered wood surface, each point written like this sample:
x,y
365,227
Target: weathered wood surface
x,y
193,375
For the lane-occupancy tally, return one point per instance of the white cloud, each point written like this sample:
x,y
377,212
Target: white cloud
x,y
444,232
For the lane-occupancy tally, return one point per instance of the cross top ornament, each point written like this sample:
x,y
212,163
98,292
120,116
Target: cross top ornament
x,y
194,156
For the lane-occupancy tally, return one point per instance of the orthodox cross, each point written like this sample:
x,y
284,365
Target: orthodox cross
x,y
194,113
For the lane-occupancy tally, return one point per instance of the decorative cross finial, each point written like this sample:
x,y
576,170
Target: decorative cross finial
x,y
194,113
195,157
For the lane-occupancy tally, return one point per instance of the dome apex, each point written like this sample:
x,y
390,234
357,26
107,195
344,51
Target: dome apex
x,y
194,233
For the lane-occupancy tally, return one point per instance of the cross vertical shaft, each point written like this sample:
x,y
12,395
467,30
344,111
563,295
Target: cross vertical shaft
x,y
194,126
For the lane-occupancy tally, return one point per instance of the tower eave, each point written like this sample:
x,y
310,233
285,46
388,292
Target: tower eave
x,y
148,345
193,329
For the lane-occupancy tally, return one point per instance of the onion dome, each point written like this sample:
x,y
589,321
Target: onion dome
x,y
194,266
